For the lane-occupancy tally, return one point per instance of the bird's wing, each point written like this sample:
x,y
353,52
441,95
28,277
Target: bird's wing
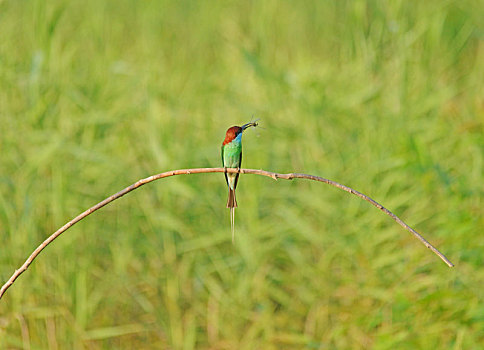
x,y
223,164
237,175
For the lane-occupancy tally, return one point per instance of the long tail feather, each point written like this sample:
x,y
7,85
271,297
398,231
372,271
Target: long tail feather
x,y
232,204
232,223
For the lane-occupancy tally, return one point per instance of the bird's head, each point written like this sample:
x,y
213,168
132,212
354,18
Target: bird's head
x,y
232,133
236,132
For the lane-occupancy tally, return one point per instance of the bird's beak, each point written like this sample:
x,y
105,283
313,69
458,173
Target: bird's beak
x,y
248,125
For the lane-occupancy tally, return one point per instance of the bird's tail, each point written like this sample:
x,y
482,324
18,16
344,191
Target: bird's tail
x,y
232,204
232,223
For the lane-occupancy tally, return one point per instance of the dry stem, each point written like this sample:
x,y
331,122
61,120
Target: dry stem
x,y
275,176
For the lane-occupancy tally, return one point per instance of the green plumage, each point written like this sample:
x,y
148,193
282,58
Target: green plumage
x,y
232,158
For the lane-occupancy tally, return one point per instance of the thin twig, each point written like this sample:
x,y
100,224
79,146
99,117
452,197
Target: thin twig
x,y
275,176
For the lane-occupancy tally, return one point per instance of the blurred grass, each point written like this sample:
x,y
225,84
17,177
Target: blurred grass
x,y
385,97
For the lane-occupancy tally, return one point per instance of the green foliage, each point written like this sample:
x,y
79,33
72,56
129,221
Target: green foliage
x,y
383,96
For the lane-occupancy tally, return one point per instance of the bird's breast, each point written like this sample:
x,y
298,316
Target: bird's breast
x,y
232,154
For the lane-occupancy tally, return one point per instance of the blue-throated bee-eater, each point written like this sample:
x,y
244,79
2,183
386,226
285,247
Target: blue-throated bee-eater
x,y
232,158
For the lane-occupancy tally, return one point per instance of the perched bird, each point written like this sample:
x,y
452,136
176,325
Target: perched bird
x,y
232,158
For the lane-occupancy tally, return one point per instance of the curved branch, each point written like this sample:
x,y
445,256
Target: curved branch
x,y
275,176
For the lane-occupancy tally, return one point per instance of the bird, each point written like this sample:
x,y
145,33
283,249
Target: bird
x,y
232,158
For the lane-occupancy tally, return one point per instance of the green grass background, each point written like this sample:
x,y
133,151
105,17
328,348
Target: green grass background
x,y
386,97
